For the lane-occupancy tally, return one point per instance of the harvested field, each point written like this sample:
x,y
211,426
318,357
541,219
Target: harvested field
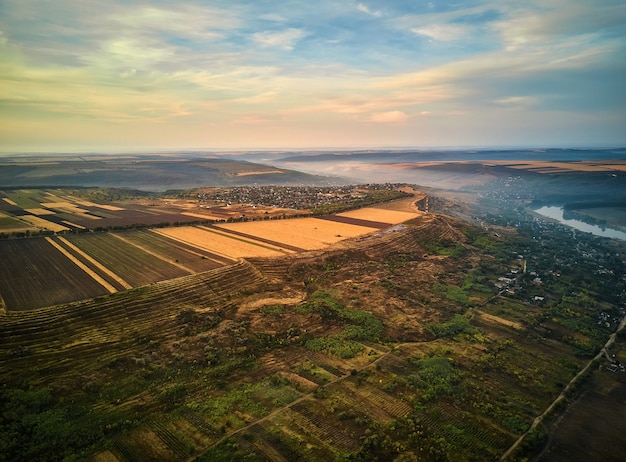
x,y
100,206
42,223
305,233
40,211
52,277
9,201
219,243
379,214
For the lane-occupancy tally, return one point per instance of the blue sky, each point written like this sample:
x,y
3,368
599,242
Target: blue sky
x,y
132,75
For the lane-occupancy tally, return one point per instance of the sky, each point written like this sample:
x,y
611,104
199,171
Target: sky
x,y
125,75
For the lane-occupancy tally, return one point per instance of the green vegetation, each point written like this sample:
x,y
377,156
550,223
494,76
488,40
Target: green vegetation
x,y
458,324
445,247
357,325
377,363
437,376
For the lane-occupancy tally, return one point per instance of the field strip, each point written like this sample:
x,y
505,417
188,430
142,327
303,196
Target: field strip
x,y
73,224
40,211
356,221
112,208
42,223
96,263
154,254
382,215
194,244
186,249
82,266
242,239
9,201
220,244
199,215
287,247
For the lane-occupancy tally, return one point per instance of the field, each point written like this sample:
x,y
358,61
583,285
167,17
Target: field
x,y
362,351
109,262
375,334
52,277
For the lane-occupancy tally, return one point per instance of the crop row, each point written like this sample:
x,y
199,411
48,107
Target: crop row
x,y
171,440
275,441
323,430
96,325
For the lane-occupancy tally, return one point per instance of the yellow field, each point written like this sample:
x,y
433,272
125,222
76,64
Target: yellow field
x,y
9,201
375,214
73,224
40,211
42,223
113,208
219,244
203,216
68,207
306,233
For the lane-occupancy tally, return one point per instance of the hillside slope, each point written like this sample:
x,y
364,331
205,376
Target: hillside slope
x,y
395,345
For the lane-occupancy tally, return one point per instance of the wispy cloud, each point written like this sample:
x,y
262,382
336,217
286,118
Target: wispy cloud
x,y
389,117
285,39
337,71
365,9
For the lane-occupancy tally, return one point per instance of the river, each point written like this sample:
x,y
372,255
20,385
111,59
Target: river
x,y
556,213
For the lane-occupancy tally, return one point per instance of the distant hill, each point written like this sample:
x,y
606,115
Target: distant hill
x,y
155,173
386,156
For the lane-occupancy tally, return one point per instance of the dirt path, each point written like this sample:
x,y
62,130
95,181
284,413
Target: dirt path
x,y
539,419
302,398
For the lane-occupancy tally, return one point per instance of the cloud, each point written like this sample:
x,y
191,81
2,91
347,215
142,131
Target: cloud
x,y
516,101
534,24
389,117
364,9
285,39
443,32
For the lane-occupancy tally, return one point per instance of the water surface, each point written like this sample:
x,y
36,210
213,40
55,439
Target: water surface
x,y
556,213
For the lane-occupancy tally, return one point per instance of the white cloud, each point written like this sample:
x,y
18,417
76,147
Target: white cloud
x,y
285,39
389,117
516,101
556,19
364,9
442,32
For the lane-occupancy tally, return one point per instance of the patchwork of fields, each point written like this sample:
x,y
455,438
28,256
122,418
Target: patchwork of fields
x,y
61,269
38,210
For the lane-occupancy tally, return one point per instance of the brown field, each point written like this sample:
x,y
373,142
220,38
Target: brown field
x,y
219,243
593,428
95,276
132,264
9,201
34,274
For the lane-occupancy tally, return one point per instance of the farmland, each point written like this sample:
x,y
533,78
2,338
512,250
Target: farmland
x,y
346,337
132,258
360,350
